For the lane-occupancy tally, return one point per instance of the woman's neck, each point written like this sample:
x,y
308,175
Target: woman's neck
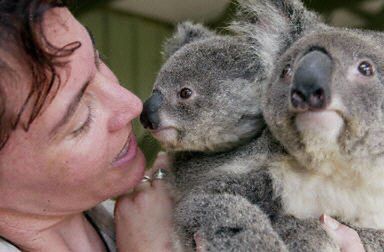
x,y
61,234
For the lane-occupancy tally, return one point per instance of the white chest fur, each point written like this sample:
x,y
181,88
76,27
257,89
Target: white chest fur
x,y
354,197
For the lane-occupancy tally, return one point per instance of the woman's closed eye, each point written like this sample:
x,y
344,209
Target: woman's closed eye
x,y
84,128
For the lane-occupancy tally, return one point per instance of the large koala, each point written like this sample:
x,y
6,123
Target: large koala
x,y
326,107
326,158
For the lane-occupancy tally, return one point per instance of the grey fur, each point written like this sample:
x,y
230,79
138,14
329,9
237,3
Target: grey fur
x,y
343,179
216,69
343,172
218,126
187,32
234,180
227,77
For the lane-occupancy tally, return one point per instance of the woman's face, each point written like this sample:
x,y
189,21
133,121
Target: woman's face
x,y
81,149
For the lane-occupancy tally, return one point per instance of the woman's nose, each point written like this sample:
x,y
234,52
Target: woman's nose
x,y
124,107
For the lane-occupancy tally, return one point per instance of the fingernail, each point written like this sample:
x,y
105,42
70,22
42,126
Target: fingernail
x,y
329,222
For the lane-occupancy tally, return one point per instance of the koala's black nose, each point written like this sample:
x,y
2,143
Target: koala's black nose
x,y
149,118
311,82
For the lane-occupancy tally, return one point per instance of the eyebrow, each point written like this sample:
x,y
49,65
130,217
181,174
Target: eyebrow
x,y
72,107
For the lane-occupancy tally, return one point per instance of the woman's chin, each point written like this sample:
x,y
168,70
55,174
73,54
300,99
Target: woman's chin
x,y
136,170
130,175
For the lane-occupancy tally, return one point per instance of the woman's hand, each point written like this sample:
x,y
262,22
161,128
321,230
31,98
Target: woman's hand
x,y
347,238
144,217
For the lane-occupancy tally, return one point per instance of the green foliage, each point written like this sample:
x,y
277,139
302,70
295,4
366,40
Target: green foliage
x,y
80,6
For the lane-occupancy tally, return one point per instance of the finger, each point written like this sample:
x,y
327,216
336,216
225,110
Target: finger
x,y
123,206
162,161
160,177
144,184
346,238
160,170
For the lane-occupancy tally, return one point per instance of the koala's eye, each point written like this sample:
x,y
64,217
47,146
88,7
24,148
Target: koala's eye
x,y
185,93
366,68
287,72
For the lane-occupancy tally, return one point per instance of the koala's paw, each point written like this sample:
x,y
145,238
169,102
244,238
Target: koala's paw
x,y
226,223
303,235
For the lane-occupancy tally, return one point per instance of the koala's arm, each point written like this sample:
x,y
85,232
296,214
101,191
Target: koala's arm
x,y
303,235
257,189
372,239
255,185
225,222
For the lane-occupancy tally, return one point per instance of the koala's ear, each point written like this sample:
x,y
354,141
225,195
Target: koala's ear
x,y
274,24
186,32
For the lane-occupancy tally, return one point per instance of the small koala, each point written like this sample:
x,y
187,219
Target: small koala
x,y
205,110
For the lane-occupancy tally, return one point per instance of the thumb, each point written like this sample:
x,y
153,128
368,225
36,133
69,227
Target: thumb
x,y
345,237
162,161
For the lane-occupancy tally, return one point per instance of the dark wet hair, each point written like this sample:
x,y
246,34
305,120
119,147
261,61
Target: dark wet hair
x,y
21,35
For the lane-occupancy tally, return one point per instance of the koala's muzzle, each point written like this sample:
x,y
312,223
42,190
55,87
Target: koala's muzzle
x,y
149,118
311,80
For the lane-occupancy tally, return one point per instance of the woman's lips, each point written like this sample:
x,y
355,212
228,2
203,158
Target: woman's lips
x,y
127,153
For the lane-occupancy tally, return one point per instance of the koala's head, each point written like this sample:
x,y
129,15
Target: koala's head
x,y
206,95
327,99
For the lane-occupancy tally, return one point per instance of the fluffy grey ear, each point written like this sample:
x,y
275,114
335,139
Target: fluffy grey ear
x,y
186,32
273,24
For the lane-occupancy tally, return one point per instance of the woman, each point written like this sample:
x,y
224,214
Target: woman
x,y
66,135
66,139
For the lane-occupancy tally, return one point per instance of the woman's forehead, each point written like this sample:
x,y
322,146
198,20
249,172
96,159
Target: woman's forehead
x,y
61,28
63,31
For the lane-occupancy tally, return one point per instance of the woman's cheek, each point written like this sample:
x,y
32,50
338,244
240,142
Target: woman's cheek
x,y
86,158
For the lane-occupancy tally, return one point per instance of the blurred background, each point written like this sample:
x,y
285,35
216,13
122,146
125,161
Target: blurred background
x,y
129,33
